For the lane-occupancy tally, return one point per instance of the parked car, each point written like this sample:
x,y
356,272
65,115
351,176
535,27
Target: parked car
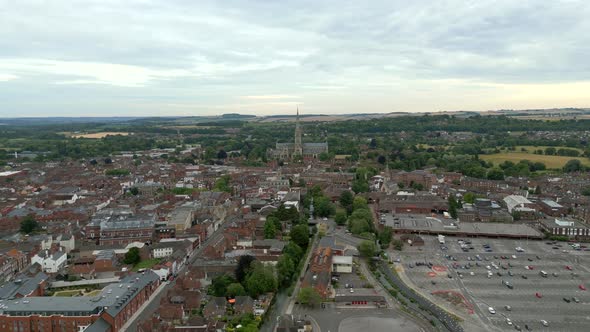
x,y
524,277
508,321
491,310
582,287
575,299
567,267
508,308
538,295
566,300
544,322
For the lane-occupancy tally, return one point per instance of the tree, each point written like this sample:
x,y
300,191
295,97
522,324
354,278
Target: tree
x,y
381,160
270,231
294,251
367,248
360,186
309,296
469,198
340,217
586,191
28,225
221,154
243,267
385,237
346,199
132,256
323,207
285,270
220,284
261,280
134,191
235,289
359,202
453,206
495,174
573,165
300,235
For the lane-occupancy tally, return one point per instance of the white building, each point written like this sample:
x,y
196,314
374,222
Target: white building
x,y
342,264
51,263
516,202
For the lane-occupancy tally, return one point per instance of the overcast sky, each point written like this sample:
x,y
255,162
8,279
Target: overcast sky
x,y
196,57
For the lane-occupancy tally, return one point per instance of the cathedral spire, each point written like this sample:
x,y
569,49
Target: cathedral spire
x,y
298,147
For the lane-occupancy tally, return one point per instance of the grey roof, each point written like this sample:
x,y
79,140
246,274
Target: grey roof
x,y
112,299
100,325
21,286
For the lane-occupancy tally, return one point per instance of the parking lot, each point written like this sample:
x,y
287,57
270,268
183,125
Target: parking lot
x,y
531,300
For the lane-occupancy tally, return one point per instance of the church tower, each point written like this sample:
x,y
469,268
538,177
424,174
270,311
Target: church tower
x,y
298,147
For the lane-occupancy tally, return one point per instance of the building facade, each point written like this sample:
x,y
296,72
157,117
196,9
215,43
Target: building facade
x,y
296,149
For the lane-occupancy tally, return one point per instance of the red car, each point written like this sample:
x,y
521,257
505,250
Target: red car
x,y
538,295
582,287
530,267
567,267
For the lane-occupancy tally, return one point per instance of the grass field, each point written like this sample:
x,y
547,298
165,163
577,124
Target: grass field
x,y
97,135
67,293
515,157
148,263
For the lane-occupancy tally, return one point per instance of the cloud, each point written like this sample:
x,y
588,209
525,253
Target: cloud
x,y
388,54
7,77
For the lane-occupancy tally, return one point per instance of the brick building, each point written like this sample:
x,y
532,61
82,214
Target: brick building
x,y
106,312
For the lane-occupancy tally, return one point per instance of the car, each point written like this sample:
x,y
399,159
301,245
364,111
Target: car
x,y
513,256
582,287
504,267
508,321
518,328
469,258
524,277
538,295
433,282
509,286
325,219
486,259
538,257
555,274
508,308
575,299
471,273
530,259
352,290
555,247
495,257
544,323
567,267
491,310
510,273
449,276
566,300
499,273
411,266
488,267
527,327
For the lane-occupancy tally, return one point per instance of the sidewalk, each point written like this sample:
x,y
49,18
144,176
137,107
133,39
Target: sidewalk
x,y
376,284
140,310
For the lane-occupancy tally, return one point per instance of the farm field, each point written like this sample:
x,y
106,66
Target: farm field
x,y
97,135
515,157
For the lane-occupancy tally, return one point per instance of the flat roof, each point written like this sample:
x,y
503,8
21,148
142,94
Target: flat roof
x,y
420,223
113,299
342,260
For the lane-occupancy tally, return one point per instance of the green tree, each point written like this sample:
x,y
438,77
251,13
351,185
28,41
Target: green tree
x,y
285,270
359,202
384,237
573,165
586,191
134,191
346,199
235,289
309,296
360,186
220,284
495,174
453,206
340,217
367,248
300,235
244,264
261,280
469,198
270,231
293,250
132,256
28,225
323,207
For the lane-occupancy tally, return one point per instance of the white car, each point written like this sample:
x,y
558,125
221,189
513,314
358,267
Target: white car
x,y
471,273
544,322
508,321
513,256
491,310
488,267
352,290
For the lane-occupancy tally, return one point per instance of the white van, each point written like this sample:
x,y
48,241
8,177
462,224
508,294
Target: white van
x,y
543,274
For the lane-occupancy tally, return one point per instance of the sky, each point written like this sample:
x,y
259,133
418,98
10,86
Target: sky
x,y
263,57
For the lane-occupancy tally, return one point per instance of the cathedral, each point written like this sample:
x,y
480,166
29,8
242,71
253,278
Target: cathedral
x,y
297,148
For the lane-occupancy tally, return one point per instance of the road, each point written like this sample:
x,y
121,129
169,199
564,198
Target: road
x,y
154,302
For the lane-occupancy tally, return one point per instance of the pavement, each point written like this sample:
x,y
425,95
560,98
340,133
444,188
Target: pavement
x,y
483,292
